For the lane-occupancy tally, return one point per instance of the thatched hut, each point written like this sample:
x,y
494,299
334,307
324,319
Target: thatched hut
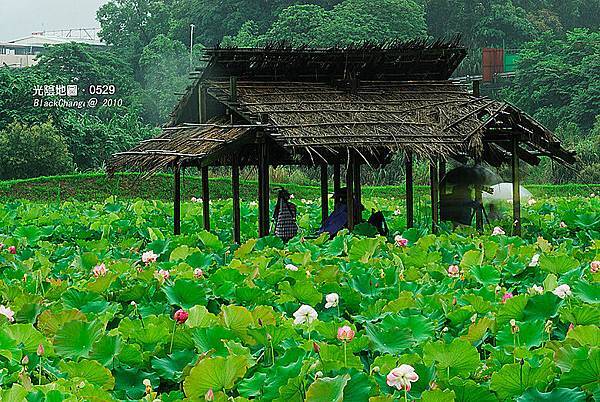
x,y
349,106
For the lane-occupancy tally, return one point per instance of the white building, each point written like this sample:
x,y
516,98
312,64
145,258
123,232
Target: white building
x,y
23,52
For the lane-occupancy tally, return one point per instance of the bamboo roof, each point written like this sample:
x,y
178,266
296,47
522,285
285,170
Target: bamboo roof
x,y
350,105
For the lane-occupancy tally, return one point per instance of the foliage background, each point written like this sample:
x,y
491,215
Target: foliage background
x,y
148,59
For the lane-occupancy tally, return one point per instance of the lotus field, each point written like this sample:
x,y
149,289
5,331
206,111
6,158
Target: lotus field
x,y
100,303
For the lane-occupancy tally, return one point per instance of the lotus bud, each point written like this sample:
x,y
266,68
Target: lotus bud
x,y
148,385
210,395
474,318
548,327
316,347
40,350
318,374
376,369
25,360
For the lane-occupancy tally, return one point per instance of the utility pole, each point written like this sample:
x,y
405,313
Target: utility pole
x,y
192,26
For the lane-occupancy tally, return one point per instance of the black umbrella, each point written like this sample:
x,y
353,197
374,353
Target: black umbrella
x,y
471,176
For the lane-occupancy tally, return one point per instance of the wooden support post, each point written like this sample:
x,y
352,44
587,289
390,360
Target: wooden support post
x,y
479,210
205,199
516,180
336,177
350,193
202,116
442,170
263,189
357,193
410,195
324,193
435,211
177,201
477,88
235,187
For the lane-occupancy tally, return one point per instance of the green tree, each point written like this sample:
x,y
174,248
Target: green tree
x,y
351,21
130,25
558,78
375,20
30,151
165,64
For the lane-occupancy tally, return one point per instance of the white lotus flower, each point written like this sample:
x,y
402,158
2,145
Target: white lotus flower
x,y
332,300
291,267
536,290
149,257
534,260
305,315
402,377
562,291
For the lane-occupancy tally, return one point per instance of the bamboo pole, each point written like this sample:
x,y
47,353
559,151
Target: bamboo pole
x,y
235,187
177,201
435,220
350,193
205,199
336,177
357,192
516,179
324,193
410,200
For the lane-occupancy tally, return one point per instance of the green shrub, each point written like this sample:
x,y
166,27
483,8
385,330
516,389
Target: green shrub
x,y
30,151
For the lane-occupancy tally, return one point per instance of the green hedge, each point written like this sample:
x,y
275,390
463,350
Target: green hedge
x,y
98,187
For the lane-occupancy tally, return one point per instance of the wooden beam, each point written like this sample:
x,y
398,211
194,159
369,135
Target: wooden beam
x,y
205,199
516,180
324,193
350,192
410,198
434,184
235,187
177,201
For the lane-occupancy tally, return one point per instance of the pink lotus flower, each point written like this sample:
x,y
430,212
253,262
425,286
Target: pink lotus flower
x,y
453,271
99,270
181,316
401,241
402,377
163,274
345,334
8,313
498,231
595,266
210,395
12,250
149,257
506,296
40,350
562,225
571,326
198,273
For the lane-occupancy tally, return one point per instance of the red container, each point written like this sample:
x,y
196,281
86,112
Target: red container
x,y
492,63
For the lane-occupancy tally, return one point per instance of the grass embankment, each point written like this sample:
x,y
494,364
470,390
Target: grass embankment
x,y
98,187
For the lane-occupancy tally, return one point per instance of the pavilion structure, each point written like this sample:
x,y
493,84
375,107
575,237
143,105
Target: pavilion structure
x,y
351,106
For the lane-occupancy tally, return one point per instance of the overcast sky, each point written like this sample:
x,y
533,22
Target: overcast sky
x,y
20,18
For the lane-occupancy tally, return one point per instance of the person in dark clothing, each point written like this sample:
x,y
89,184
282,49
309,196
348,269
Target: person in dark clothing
x,y
284,216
